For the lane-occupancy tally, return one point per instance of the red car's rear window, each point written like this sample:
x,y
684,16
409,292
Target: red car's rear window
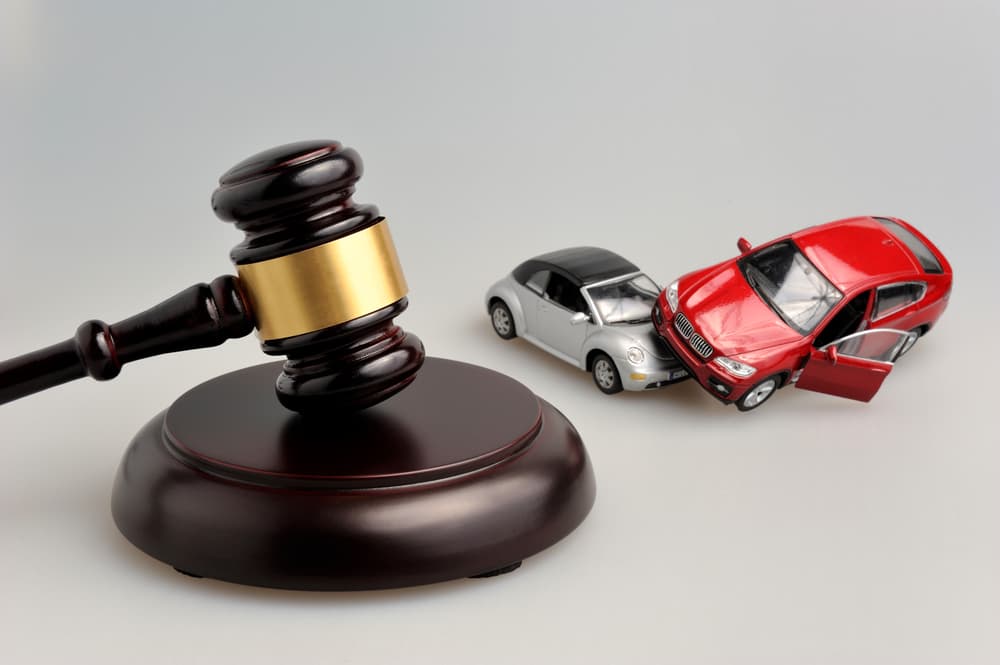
x,y
923,253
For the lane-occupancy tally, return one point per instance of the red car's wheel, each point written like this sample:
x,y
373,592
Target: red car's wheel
x,y
760,393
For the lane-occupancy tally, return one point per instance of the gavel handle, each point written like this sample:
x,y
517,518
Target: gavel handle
x,y
200,316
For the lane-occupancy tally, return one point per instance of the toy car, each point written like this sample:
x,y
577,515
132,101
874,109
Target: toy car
x,y
828,308
589,307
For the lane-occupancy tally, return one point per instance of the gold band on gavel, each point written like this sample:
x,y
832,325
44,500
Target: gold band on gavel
x,y
324,286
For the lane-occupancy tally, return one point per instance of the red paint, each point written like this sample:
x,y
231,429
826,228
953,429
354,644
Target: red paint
x,y
856,255
854,378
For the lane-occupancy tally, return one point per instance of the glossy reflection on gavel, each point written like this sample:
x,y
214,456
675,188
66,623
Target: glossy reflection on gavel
x,y
318,277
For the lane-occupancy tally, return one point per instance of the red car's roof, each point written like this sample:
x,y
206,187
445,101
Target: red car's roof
x,y
851,252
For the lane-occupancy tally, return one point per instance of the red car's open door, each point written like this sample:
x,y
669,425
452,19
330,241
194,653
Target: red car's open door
x,y
854,366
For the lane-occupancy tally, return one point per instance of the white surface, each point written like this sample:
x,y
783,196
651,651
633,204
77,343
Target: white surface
x,y
815,530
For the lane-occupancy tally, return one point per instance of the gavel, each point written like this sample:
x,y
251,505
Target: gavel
x,y
317,276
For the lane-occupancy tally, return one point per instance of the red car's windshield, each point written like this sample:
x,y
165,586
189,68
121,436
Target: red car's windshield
x,y
794,288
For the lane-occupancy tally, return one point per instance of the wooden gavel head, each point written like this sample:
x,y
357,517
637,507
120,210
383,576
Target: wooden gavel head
x,y
320,275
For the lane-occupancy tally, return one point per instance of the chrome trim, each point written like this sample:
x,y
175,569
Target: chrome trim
x,y
700,346
697,343
683,326
619,278
904,337
862,332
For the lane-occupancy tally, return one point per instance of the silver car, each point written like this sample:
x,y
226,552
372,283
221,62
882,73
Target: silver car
x,y
591,308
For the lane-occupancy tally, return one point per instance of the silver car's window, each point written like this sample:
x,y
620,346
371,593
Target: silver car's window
x,y
564,293
626,301
538,281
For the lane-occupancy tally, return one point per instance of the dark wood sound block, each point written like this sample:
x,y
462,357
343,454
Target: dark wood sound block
x,y
464,473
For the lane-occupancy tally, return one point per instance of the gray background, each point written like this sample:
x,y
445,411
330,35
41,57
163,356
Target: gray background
x,y
815,530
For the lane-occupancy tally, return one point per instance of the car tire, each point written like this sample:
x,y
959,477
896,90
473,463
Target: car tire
x,y
605,374
502,320
759,393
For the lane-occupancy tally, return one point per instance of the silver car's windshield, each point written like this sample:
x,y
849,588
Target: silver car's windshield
x,y
791,285
625,301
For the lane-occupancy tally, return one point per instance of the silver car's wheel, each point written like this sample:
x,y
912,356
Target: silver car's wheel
x,y
757,395
606,375
503,322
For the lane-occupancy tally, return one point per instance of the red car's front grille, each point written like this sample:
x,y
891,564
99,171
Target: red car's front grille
x,y
694,340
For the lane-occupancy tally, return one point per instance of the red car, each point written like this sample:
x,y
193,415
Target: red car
x,y
828,308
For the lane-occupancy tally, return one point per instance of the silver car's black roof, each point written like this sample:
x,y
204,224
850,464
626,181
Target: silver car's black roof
x,y
581,265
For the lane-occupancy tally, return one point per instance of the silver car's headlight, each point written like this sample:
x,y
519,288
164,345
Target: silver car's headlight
x,y
672,296
735,367
635,355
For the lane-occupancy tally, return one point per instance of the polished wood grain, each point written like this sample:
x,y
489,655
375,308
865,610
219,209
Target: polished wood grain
x,y
466,472
292,198
200,316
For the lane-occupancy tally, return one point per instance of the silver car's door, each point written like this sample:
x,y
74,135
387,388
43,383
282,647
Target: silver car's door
x,y
530,295
555,327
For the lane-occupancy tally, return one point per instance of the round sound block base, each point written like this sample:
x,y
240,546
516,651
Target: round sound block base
x,y
462,474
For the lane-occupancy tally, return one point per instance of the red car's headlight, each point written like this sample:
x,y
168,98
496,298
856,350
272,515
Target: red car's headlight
x,y
735,367
672,297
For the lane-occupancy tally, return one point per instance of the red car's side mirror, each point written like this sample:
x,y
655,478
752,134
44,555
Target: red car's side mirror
x,y
744,245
